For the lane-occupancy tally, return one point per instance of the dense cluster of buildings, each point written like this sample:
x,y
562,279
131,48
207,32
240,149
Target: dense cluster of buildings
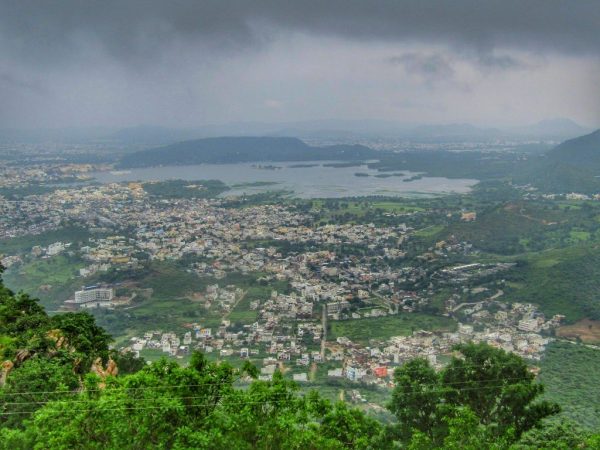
x,y
334,272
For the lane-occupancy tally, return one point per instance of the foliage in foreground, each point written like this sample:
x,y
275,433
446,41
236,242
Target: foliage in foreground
x,y
55,394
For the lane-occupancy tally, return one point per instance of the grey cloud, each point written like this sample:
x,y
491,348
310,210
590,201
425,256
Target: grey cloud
x,y
199,61
501,62
430,65
11,83
435,66
138,30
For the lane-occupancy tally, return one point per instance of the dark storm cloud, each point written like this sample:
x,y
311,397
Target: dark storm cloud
x,y
188,62
137,30
431,65
502,62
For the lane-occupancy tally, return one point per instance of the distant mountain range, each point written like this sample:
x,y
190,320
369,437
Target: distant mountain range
x,y
331,129
243,149
552,128
573,166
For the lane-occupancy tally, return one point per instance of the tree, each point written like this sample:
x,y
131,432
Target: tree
x,y
563,435
83,336
485,383
416,400
32,384
127,362
497,386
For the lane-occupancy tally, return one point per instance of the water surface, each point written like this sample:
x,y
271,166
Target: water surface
x,y
317,181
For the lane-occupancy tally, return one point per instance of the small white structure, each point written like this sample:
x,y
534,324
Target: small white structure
x,y
300,377
55,249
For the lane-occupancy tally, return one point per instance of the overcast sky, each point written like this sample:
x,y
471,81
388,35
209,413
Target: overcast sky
x,y
189,63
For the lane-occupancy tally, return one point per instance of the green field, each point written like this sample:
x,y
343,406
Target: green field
x,y
185,188
562,281
382,328
242,314
360,209
170,307
570,374
519,227
58,274
25,243
429,231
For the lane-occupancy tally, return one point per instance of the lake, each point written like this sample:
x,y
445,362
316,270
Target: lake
x,y
316,181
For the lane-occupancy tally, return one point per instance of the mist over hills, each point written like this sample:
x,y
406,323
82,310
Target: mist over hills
x,y
551,129
559,128
242,149
336,129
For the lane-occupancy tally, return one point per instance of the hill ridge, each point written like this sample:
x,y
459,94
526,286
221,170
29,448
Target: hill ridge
x,y
222,150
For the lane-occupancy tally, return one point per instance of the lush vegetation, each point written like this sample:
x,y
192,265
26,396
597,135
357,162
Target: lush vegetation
x,y
569,373
185,188
61,387
564,281
243,149
69,233
582,151
382,328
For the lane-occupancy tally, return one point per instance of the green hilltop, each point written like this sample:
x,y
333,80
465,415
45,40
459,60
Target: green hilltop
x,y
223,150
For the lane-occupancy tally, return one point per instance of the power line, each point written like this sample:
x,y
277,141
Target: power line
x,y
167,387
411,370
410,391
213,404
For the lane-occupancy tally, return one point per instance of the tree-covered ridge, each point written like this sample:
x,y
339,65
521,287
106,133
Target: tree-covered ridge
x,y
62,387
224,150
582,151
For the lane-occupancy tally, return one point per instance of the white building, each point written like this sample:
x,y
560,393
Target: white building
x,y
530,325
94,294
55,249
301,377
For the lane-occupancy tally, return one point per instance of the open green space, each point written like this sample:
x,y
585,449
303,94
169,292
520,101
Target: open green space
x,y
53,279
24,244
185,188
570,374
170,307
561,281
527,226
382,328
253,184
361,208
242,314
429,231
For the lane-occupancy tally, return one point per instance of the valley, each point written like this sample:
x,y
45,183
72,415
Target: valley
x,y
330,290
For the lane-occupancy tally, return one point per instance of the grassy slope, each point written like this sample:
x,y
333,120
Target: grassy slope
x,y
59,273
25,243
562,281
557,244
570,374
362,330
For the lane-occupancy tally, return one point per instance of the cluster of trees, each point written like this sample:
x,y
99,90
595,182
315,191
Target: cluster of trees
x,y
55,394
185,188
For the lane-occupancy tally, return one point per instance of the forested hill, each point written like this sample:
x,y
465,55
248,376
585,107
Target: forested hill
x,y
583,151
224,150
573,166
